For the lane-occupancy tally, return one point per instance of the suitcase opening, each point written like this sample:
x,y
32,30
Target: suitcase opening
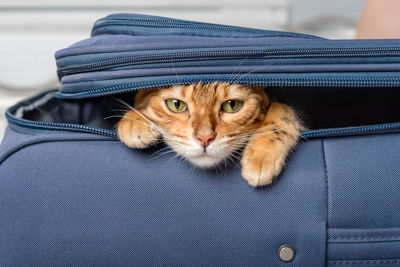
x,y
320,108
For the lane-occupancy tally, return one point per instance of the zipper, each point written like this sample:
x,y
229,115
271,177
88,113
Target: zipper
x,y
251,81
115,21
371,129
231,54
135,20
41,125
305,135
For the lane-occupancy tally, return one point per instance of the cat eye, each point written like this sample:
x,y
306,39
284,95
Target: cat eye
x,y
232,106
176,105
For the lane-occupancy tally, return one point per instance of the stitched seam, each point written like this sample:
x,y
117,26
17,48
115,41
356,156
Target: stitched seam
x,y
327,196
364,237
18,149
396,261
327,183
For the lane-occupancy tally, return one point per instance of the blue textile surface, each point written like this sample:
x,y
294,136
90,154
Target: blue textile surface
x,y
82,199
97,202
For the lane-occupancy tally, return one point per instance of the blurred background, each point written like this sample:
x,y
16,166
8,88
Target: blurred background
x,y
31,31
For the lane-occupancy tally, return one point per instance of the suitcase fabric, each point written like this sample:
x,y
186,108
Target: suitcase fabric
x,y
72,194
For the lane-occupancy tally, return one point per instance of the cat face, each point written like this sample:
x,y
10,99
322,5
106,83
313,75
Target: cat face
x,y
204,123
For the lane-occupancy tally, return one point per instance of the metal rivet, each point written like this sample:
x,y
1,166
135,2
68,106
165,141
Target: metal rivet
x,y
286,253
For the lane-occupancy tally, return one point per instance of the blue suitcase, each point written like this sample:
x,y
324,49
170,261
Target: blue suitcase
x,y
72,194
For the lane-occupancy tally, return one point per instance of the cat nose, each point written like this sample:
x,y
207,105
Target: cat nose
x,y
205,139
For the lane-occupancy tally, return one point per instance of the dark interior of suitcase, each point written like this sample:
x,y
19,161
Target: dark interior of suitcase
x,y
319,107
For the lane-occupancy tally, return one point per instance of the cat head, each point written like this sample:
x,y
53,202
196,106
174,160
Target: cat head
x,y
205,123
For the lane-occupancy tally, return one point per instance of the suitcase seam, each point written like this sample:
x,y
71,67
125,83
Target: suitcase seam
x,y
12,152
353,262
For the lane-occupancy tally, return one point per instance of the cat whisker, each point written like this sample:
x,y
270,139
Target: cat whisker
x,y
121,104
118,110
233,73
258,135
129,118
161,154
175,156
238,151
178,141
244,75
258,131
177,75
234,159
269,126
119,116
160,151
183,160
166,136
133,119
143,116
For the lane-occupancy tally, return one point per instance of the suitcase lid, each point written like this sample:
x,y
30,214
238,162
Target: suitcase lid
x,y
128,52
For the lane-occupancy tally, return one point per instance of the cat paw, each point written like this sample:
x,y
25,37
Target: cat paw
x,y
259,170
135,133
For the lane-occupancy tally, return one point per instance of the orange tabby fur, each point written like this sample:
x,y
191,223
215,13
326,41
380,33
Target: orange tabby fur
x,y
266,131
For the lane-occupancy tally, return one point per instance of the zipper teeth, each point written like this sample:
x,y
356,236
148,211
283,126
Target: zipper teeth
x,y
187,24
94,130
321,133
143,85
344,131
60,126
387,82
255,81
230,54
173,23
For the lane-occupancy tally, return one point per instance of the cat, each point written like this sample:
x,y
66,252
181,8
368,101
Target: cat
x,y
208,123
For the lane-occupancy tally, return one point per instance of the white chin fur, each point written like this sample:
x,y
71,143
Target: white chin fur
x,y
204,161
193,152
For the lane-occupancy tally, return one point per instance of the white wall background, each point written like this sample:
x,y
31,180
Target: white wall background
x,y
32,30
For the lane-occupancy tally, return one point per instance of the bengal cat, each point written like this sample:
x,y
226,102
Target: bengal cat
x,y
209,123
